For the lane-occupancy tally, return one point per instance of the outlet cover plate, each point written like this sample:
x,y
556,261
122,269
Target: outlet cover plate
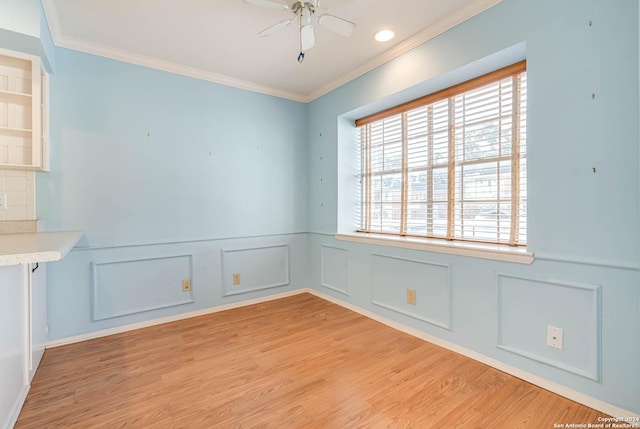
x,y
411,296
554,337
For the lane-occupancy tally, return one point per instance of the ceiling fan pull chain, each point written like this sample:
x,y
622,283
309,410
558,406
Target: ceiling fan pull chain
x,y
301,54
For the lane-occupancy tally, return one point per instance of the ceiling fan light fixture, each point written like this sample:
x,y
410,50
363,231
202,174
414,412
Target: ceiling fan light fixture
x,y
307,38
384,35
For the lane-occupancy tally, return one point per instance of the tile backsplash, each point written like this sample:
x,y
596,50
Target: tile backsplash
x,y
20,188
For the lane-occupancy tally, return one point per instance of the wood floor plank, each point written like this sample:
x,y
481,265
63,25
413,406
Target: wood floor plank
x,y
298,362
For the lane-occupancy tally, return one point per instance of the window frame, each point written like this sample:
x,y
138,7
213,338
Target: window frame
x,y
514,71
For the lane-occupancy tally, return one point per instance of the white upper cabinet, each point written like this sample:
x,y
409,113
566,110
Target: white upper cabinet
x,y
23,112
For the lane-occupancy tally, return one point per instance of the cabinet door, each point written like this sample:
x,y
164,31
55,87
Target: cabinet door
x,y
12,333
38,311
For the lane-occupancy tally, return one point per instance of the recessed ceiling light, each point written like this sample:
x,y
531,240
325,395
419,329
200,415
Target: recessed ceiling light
x,y
384,35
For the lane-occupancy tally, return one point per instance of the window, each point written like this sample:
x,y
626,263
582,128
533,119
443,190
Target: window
x,y
450,165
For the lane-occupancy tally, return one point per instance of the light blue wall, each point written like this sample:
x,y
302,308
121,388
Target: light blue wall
x,y
583,226
46,41
143,156
24,28
21,16
96,288
156,166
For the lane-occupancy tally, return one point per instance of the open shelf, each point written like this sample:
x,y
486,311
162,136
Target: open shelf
x,y
15,98
15,132
23,112
8,166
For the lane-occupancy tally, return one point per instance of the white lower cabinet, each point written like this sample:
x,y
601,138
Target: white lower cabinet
x,y
23,334
23,311
13,387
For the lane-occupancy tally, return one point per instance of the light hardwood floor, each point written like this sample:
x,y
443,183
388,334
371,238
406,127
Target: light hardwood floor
x,y
298,362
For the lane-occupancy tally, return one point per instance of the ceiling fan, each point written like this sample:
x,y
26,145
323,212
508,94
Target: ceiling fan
x,y
304,11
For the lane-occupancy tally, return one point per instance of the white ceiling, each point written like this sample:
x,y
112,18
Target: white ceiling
x,y
216,39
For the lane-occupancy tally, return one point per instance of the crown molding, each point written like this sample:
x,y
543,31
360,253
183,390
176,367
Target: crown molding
x,y
418,39
405,46
53,20
171,67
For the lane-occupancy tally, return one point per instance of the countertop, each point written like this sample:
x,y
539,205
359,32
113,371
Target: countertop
x,y
32,247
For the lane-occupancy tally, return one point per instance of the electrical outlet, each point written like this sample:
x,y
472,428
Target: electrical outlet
x,y
554,337
411,296
186,285
236,278
3,201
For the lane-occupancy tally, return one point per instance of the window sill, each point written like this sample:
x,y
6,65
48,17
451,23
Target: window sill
x,y
475,250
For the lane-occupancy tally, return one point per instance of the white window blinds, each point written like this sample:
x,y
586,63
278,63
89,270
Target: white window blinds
x,y
450,165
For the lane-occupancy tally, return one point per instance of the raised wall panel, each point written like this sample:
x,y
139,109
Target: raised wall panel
x,y
392,276
133,286
334,269
526,306
258,268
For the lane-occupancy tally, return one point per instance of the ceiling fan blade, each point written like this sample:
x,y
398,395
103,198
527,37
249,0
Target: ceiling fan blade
x,y
307,38
332,4
337,25
268,3
275,27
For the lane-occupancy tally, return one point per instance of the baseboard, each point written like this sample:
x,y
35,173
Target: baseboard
x,y
15,413
571,394
574,395
148,323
